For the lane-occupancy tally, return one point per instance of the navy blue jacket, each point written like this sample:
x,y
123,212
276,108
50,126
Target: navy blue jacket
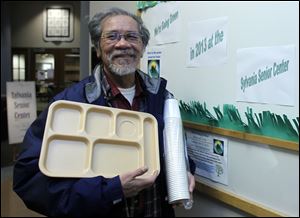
x,y
81,196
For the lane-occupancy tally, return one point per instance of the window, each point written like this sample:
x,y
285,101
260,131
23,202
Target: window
x,y
58,23
44,66
18,67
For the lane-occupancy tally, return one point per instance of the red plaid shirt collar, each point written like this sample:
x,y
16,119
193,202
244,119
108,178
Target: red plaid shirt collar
x,y
119,100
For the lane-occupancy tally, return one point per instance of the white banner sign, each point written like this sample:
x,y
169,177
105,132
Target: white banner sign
x,y
209,154
21,109
266,75
164,22
207,42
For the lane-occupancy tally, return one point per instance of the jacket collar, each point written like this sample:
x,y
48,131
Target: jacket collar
x,y
93,89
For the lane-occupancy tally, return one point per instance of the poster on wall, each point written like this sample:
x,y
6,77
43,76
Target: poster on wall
x,y
266,75
164,22
21,109
153,55
209,153
151,63
207,42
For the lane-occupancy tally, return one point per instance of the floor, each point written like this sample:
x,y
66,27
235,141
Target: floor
x,y
11,204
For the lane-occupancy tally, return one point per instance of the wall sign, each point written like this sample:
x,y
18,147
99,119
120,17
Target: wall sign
x,y
21,109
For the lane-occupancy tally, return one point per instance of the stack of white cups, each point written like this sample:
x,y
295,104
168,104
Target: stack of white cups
x,y
174,147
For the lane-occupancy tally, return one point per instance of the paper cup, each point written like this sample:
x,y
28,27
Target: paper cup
x,y
171,108
176,169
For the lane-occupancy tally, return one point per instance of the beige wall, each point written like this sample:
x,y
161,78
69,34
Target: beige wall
x,y
27,24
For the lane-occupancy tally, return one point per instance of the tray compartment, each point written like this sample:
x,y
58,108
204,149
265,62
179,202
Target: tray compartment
x,y
128,125
67,118
150,149
99,122
112,157
67,155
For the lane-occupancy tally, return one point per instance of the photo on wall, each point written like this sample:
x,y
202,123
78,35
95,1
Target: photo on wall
x,y
218,147
154,68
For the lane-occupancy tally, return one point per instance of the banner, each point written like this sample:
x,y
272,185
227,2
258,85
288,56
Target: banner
x,y
207,42
164,22
266,75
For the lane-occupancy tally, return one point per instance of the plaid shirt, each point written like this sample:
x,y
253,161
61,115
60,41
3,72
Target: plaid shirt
x,y
118,100
147,202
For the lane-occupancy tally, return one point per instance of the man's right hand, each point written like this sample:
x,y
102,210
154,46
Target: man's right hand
x,y
132,185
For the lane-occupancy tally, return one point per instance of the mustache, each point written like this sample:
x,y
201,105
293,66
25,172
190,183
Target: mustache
x,y
117,53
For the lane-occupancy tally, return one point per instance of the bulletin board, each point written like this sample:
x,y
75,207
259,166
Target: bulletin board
x,y
263,168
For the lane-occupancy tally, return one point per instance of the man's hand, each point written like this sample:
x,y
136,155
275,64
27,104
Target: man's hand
x,y
132,185
191,184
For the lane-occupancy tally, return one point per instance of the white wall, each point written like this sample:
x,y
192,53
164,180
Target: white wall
x,y
250,24
261,173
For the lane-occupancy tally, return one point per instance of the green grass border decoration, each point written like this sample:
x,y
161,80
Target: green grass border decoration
x,y
265,123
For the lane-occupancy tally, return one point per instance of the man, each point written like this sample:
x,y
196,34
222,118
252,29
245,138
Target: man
x,y
120,39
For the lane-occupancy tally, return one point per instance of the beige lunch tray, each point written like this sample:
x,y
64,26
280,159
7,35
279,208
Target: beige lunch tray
x,y
84,140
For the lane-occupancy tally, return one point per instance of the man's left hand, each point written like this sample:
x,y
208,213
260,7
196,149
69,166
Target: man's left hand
x,y
191,189
191,184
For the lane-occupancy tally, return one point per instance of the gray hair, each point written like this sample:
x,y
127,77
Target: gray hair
x,y
95,25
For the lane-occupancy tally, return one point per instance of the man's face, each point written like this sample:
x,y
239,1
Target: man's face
x,y
120,56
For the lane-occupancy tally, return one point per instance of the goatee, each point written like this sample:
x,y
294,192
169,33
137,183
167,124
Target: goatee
x,y
122,67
